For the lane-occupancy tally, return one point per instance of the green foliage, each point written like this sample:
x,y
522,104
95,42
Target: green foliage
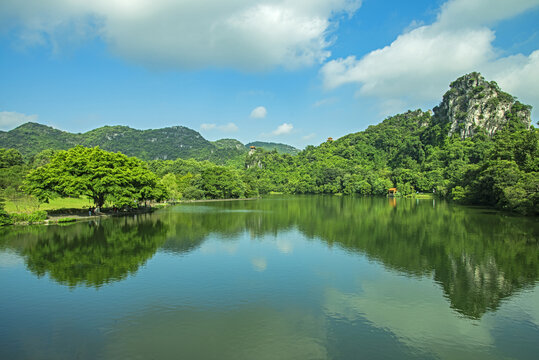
x,y
11,178
458,193
195,180
66,220
505,97
12,169
34,217
170,184
42,158
493,103
32,139
5,219
270,146
222,183
94,254
411,151
10,157
97,174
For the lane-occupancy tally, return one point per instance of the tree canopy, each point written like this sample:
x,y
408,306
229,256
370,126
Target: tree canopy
x,y
97,174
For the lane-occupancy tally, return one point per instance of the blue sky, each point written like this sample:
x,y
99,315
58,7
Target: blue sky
x,y
291,71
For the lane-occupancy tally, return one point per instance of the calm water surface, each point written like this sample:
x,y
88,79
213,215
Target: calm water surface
x,y
314,277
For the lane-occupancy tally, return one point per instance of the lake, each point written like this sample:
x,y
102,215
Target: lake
x,y
304,277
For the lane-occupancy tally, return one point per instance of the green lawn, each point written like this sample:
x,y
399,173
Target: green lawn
x,y
27,204
423,196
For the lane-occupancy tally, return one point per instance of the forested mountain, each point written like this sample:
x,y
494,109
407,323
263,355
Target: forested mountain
x,y
166,143
477,147
171,142
269,146
31,138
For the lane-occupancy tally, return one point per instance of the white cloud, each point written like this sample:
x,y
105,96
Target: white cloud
x,y
11,119
228,128
308,137
244,34
418,66
283,129
259,112
325,101
423,59
518,75
457,13
207,127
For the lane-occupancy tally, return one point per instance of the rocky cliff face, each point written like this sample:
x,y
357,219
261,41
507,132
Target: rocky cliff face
x,y
473,104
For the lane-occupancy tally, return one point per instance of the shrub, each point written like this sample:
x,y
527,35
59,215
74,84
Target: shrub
x,y
458,193
5,219
192,193
36,216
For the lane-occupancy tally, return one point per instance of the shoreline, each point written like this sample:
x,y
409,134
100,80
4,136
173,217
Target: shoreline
x,y
213,200
68,217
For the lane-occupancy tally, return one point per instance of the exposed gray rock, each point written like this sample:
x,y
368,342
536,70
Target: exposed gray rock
x,y
473,104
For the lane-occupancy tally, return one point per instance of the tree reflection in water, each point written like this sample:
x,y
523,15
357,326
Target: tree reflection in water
x,y
478,257
94,253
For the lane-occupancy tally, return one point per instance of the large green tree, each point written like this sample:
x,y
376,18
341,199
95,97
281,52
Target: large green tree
x,y
97,174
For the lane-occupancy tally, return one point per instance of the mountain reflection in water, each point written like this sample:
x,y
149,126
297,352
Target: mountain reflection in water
x,y
478,257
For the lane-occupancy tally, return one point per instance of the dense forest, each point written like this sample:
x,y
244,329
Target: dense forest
x,y
166,143
477,147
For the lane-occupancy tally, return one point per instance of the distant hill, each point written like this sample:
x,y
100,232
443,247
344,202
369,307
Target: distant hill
x,y
166,144
31,138
230,144
269,146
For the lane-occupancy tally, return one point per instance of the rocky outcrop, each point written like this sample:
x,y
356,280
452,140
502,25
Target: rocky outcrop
x,y
473,104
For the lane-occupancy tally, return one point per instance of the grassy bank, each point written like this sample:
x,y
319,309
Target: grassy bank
x,y
28,204
421,196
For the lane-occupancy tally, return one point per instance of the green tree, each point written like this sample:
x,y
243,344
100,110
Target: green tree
x,y
222,183
10,157
170,183
95,173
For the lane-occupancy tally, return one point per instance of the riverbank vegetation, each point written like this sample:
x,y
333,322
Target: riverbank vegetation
x,y
499,171
496,165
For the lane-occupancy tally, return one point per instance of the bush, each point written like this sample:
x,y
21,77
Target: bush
x,y
65,220
193,193
36,216
405,189
458,193
5,219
